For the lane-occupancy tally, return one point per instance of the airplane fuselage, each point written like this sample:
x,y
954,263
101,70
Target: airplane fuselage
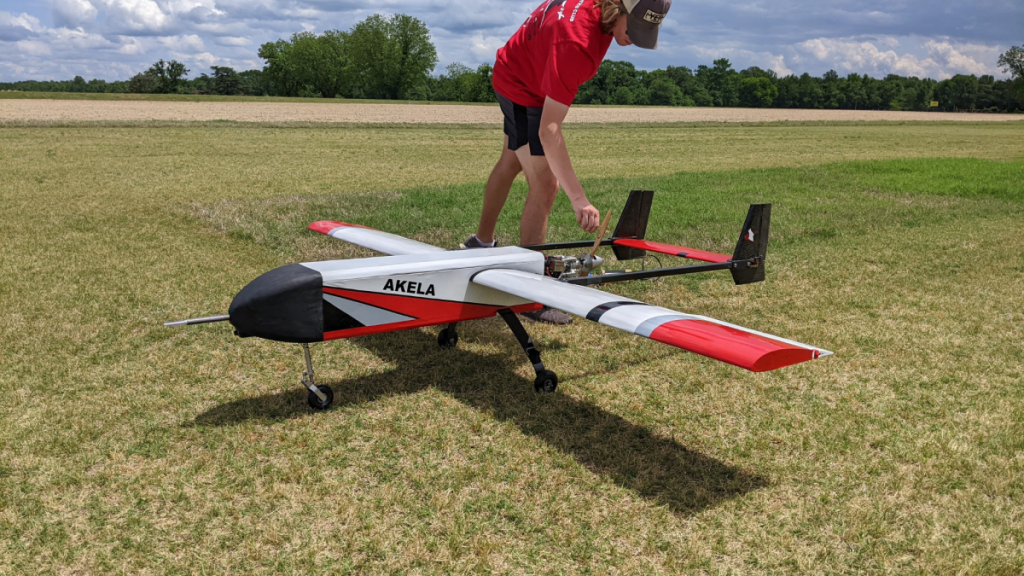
x,y
317,301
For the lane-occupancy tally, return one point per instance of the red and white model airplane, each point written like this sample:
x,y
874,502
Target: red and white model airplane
x,y
422,285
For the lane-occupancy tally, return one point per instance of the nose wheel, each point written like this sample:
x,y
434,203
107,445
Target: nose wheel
x,y
316,403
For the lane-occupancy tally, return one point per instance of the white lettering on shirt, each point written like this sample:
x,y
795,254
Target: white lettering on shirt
x,y
575,10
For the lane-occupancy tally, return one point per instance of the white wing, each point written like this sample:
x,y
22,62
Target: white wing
x,y
755,351
372,239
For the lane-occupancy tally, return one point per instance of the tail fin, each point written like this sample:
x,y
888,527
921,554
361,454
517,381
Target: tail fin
x,y
753,243
633,223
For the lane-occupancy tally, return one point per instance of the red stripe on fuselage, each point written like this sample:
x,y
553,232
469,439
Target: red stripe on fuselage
x,y
671,250
426,312
739,348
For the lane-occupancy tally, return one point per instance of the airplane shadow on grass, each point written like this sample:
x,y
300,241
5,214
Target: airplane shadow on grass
x,y
653,467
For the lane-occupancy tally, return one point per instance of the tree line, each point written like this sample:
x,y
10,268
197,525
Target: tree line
x,y
392,57
721,85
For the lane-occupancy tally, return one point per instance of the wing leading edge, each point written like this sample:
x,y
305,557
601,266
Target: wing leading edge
x,y
736,345
373,239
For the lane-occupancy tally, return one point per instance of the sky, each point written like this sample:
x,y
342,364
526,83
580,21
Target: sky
x,y
115,39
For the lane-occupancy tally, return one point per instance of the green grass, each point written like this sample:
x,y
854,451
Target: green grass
x,y
129,447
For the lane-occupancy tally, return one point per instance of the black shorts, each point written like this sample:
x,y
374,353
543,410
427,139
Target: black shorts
x,y
522,126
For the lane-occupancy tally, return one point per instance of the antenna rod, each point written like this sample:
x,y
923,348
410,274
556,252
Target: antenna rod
x,y
207,320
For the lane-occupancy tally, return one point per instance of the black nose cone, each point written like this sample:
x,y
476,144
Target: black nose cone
x,y
285,304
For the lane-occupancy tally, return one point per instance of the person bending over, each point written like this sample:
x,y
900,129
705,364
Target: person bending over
x,y
536,77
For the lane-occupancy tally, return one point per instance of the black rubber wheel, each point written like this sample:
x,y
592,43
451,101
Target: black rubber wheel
x,y
546,382
447,338
314,400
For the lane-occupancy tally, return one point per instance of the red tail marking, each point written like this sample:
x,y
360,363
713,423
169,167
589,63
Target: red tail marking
x,y
671,250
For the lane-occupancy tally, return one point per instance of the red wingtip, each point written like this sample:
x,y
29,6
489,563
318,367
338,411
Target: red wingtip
x,y
328,226
751,351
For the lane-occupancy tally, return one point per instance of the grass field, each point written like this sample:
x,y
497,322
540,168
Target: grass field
x,y
129,447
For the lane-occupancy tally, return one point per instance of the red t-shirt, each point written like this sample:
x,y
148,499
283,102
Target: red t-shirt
x,y
557,49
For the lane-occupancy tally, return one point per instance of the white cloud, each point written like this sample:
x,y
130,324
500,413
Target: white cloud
x,y
963,58
944,59
890,42
204,60
33,48
131,46
77,45
852,56
11,70
139,16
485,47
232,41
14,28
73,13
778,65
188,43
744,58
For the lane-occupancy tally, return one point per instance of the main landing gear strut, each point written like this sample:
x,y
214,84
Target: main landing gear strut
x,y
546,382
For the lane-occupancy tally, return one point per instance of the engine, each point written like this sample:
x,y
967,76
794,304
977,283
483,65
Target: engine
x,y
566,267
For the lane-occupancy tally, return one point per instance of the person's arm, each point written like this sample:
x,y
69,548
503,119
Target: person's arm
x,y
561,166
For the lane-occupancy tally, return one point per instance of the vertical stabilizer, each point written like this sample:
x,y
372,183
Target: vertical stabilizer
x,y
753,243
633,223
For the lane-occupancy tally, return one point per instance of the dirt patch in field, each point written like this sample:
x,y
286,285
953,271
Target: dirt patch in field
x,y
113,111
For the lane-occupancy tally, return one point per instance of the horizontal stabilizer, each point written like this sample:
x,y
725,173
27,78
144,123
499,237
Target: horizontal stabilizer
x,y
373,239
736,345
680,251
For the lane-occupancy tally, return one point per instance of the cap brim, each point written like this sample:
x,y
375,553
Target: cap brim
x,y
641,33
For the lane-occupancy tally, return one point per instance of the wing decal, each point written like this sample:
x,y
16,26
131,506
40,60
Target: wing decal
x,y
736,345
681,251
373,239
599,311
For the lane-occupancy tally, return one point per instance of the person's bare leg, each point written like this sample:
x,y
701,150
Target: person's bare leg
x,y
533,228
496,193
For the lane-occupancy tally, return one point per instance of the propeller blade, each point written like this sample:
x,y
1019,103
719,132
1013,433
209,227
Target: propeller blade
x,y
600,234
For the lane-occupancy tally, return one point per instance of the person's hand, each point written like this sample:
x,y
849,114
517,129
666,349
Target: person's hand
x,y
587,216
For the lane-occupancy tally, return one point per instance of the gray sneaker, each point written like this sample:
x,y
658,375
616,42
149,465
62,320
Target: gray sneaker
x,y
474,242
548,315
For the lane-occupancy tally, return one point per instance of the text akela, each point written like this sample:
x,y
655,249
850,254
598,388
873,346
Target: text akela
x,y
409,287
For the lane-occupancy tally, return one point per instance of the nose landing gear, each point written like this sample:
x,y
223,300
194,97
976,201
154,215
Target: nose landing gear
x,y
320,397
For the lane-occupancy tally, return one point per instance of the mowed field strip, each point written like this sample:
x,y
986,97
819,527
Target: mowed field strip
x,y
32,110
128,447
